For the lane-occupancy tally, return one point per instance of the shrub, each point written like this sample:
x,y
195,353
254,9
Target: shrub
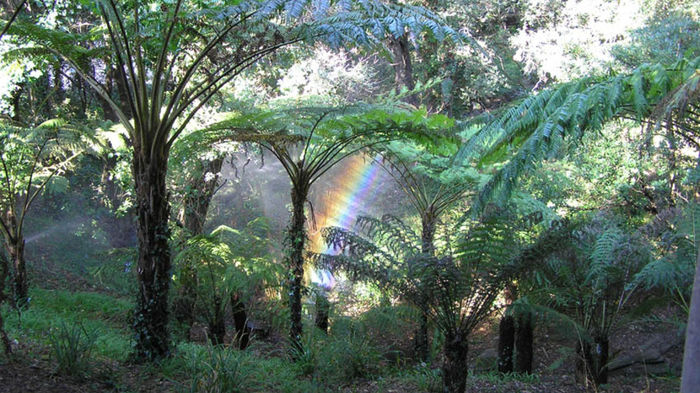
x,y
217,370
349,356
72,346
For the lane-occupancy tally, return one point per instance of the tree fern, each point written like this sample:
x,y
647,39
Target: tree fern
x,y
537,126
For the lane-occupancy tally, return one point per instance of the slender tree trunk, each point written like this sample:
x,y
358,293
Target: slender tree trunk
x,y
16,100
193,216
690,379
59,90
454,369
6,345
297,240
322,310
506,332
506,343
4,270
523,342
240,321
14,245
403,68
217,323
107,109
591,367
154,265
20,281
196,202
422,342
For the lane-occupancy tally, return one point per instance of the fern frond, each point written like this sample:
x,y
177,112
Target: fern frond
x,y
536,127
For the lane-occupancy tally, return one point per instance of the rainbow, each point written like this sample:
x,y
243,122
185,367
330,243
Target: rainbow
x,y
346,196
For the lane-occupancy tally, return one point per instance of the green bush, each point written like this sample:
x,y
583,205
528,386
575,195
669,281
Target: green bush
x,y
219,370
349,356
306,355
201,368
72,347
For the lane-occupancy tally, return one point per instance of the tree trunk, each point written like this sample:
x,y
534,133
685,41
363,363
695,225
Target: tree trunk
x,y
454,369
322,310
217,323
427,247
6,345
296,240
59,90
592,360
523,343
193,215
196,202
4,270
422,344
16,101
154,265
403,69
240,321
690,379
506,342
20,282
107,110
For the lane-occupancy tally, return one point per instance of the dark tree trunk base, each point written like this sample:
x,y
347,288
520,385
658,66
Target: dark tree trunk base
x,y
523,343
240,322
20,281
154,265
455,370
422,344
506,343
322,311
217,326
7,347
591,362
296,239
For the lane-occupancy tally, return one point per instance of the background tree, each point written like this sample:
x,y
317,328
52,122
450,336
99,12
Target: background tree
x,y
169,78
433,186
456,291
324,137
543,121
30,160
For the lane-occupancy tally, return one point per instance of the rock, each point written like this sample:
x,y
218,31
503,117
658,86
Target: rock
x,y
649,359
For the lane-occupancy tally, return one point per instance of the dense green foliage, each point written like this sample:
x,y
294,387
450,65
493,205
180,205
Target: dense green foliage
x,y
530,160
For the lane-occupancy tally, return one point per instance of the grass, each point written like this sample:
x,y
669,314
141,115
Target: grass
x,y
104,315
205,369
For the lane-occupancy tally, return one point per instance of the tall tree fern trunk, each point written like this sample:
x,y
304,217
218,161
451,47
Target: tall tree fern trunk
x,y
591,365
322,310
198,199
403,67
201,189
14,244
296,239
20,281
217,323
6,345
4,271
506,332
422,342
506,343
240,321
690,380
454,369
154,264
523,342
